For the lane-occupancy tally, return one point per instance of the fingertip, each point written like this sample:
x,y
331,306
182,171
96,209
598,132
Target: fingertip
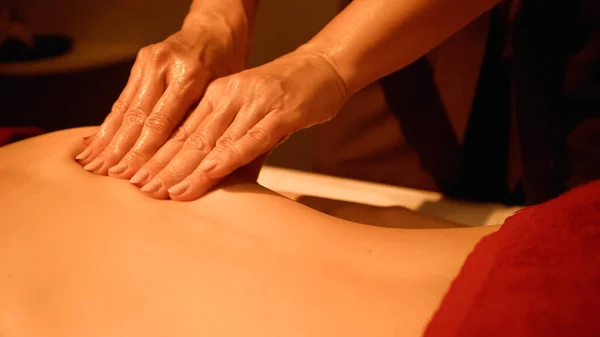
x,y
179,188
117,169
190,194
218,172
152,186
84,154
221,167
127,167
155,188
87,140
140,177
95,166
122,170
191,188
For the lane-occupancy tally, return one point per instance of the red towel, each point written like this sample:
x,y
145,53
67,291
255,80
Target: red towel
x,y
13,134
539,275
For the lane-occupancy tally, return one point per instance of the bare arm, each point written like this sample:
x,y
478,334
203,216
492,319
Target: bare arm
x,y
237,15
370,39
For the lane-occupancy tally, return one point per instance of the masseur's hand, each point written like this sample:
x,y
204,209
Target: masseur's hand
x,y
241,117
167,79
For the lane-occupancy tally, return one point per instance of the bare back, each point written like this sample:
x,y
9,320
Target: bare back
x,y
84,256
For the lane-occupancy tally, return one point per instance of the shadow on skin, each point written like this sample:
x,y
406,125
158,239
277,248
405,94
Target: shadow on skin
x,y
460,211
392,216
428,217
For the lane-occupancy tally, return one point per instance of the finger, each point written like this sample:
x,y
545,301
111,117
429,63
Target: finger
x,y
113,121
198,183
157,163
193,186
149,93
260,139
168,151
178,168
158,127
195,148
244,121
88,139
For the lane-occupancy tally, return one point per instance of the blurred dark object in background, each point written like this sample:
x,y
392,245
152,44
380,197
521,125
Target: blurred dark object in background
x,y
52,78
63,100
44,46
15,134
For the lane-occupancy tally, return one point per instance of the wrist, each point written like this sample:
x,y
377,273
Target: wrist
x,y
239,14
234,36
235,23
324,74
329,56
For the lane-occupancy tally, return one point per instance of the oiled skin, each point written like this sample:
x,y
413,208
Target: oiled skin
x,y
241,261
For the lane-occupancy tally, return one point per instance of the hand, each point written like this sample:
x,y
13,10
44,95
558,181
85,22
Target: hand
x,y
167,79
241,117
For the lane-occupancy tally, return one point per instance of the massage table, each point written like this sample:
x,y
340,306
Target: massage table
x,y
374,194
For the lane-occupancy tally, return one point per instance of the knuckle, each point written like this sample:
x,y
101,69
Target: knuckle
x,y
234,154
228,84
193,72
181,134
224,142
155,164
174,172
235,151
258,135
134,155
160,51
118,108
111,150
232,81
214,87
135,116
198,142
195,81
142,53
158,123
262,82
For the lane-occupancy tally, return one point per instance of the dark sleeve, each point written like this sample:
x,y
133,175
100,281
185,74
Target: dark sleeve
x,y
582,96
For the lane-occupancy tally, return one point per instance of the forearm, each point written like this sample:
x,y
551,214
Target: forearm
x,y
235,17
239,14
373,38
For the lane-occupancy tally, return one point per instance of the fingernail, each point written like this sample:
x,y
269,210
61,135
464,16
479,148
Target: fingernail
x,y
140,176
208,165
88,139
152,186
179,188
94,165
119,168
84,154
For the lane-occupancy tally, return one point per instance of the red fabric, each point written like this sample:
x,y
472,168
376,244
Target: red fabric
x,y
539,275
13,134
